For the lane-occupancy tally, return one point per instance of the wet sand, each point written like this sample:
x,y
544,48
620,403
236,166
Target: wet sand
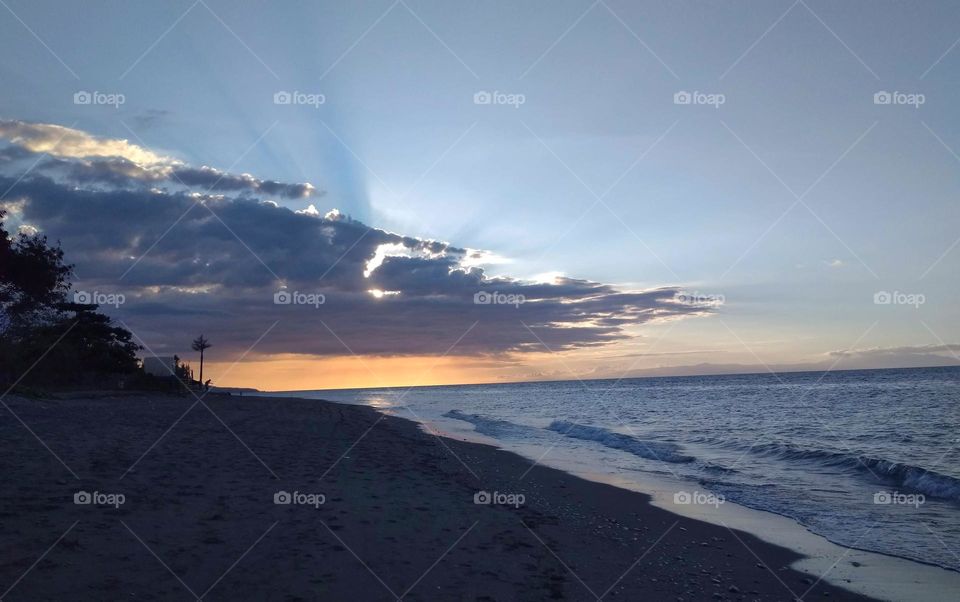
x,y
379,510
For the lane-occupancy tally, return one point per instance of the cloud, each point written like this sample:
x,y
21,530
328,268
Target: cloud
x,y
216,180
311,210
189,262
62,141
150,117
78,157
903,350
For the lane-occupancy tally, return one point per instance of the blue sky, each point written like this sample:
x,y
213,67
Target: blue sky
x,y
695,196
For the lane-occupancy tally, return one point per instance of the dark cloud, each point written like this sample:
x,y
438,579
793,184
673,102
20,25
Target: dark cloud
x,y
212,179
205,273
151,117
12,153
189,262
120,172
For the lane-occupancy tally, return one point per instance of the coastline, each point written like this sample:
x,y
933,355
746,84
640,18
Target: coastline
x,y
398,517
868,572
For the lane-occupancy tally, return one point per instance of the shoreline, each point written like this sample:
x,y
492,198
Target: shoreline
x,y
399,518
875,574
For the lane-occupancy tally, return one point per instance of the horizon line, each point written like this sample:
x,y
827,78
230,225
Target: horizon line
x,y
567,380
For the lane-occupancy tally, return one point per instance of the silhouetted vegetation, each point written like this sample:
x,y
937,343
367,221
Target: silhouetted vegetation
x,y
201,344
45,339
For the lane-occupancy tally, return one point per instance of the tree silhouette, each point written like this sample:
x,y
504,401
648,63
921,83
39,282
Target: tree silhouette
x,y
34,281
40,341
201,344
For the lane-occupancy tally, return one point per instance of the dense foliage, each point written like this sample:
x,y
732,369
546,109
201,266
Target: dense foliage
x,y
44,339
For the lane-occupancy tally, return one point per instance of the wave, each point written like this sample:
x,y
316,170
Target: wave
x,y
912,477
899,474
652,450
718,469
492,427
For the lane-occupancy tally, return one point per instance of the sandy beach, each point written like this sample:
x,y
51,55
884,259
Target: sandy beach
x,y
183,507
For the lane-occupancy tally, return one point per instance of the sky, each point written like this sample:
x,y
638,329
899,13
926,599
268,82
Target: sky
x,y
649,188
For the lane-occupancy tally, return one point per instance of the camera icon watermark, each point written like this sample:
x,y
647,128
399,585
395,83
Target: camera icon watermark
x,y
495,298
698,498
498,98
912,99
314,100
899,298
96,498
486,498
285,297
99,298
895,498
113,99
285,498
700,299
696,97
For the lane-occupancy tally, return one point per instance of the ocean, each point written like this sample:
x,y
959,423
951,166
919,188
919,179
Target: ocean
x,y
867,459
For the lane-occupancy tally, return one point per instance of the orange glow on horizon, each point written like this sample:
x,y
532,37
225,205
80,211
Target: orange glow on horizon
x,y
300,373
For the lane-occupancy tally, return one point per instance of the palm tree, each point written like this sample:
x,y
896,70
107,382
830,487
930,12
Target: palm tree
x,y
201,344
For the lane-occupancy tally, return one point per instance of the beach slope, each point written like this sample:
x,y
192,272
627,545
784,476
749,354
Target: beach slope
x,y
155,497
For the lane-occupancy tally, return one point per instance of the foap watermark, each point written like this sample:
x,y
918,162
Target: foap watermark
x,y
699,98
698,298
285,297
111,99
495,298
499,98
899,298
698,498
97,498
911,99
496,498
895,498
99,298
297,498
299,98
